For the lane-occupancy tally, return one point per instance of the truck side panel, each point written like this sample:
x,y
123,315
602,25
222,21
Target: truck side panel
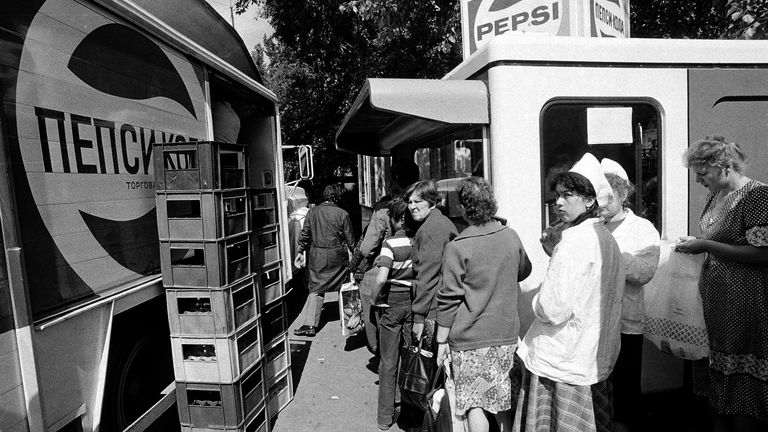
x,y
85,96
732,103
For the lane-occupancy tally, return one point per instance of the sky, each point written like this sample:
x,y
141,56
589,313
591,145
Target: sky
x,y
251,28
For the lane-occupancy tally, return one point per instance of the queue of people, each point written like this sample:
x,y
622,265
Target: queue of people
x,y
578,366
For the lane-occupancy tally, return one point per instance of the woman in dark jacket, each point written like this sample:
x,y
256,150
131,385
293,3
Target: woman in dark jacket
x,y
435,231
327,235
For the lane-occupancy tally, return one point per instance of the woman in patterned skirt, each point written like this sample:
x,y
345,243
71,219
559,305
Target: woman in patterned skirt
x,y
477,308
733,286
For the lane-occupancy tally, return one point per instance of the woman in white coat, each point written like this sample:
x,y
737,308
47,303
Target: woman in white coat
x,y
639,243
571,347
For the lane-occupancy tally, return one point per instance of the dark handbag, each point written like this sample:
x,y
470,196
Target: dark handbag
x,y
442,421
417,371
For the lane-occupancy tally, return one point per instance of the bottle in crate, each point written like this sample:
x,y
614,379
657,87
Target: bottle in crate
x,y
222,405
199,165
205,264
216,359
212,311
202,215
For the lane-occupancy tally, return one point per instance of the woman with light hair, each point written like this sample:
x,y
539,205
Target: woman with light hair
x,y
733,286
639,243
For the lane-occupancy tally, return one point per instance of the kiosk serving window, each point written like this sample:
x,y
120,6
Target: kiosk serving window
x,y
626,131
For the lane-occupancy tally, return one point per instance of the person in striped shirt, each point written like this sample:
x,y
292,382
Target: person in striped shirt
x,y
393,281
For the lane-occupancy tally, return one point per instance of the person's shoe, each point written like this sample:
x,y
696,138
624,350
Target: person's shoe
x,y
305,330
384,427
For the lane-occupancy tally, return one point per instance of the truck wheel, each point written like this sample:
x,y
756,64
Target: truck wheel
x,y
140,367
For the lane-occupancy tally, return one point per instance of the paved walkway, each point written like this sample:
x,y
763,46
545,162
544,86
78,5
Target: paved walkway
x,y
334,377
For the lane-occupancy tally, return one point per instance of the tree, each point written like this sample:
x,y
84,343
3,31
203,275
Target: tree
x,y
321,51
716,19
748,19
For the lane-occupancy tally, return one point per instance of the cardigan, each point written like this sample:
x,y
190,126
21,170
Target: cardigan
x,y
478,296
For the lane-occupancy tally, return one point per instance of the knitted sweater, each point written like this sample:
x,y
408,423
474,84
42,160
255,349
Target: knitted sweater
x,y
478,297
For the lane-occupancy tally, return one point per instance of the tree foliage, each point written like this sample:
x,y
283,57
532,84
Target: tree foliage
x,y
321,51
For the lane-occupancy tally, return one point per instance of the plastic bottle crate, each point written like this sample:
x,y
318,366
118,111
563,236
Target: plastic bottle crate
x,y
280,393
216,359
202,215
212,311
273,322
277,357
257,423
215,405
201,264
266,247
270,285
263,208
199,165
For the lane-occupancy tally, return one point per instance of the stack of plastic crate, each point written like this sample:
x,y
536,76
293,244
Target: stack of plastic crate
x,y
267,264
204,225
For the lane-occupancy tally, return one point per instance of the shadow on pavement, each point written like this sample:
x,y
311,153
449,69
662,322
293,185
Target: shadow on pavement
x,y
299,355
355,341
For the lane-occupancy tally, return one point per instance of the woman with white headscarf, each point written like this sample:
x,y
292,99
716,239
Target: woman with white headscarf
x,y
639,243
570,349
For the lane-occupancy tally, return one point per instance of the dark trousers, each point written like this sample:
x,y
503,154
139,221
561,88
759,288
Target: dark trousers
x,y
394,331
627,398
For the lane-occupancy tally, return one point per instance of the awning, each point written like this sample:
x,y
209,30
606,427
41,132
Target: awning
x,y
200,22
390,111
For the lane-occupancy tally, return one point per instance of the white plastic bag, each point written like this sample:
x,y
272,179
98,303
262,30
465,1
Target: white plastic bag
x,y
674,317
459,421
350,309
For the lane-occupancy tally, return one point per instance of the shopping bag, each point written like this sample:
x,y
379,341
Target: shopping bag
x,y
438,417
458,422
350,309
674,317
417,369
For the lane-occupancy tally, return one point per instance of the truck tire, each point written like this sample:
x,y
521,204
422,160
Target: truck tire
x,y
140,367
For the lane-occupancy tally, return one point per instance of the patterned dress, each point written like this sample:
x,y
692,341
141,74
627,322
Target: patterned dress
x,y
735,300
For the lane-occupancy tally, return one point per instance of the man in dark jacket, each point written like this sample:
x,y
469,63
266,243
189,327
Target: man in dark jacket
x,y
327,236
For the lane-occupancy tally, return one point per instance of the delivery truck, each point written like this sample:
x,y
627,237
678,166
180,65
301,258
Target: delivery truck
x,y
87,88
524,107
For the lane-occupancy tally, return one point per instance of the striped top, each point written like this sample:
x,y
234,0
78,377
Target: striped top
x,y
396,256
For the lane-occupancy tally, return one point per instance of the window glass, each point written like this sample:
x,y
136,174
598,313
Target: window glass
x,y
565,138
447,159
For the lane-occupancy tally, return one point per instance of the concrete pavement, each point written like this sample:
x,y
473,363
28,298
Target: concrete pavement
x,y
335,379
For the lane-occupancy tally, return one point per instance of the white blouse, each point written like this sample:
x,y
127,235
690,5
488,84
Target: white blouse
x,y
639,244
575,337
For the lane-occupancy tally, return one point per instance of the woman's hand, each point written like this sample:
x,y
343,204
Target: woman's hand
x,y
443,349
299,261
416,330
691,245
